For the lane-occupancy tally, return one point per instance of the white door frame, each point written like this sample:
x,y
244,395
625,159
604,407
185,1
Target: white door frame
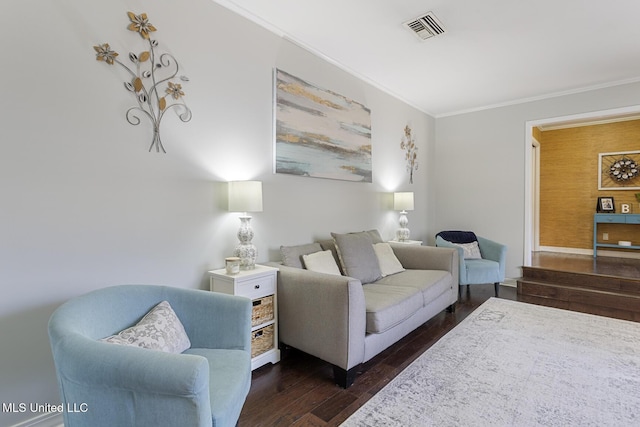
x,y
535,194
531,175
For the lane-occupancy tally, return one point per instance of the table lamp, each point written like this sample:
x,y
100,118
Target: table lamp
x,y
245,196
403,201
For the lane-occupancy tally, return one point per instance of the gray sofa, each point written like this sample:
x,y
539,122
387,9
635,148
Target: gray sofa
x,y
349,318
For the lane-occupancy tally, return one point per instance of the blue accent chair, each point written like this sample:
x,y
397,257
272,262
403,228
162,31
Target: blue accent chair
x,y
124,386
489,269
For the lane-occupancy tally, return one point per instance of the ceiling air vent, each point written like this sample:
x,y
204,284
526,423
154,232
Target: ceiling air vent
x,y
425,27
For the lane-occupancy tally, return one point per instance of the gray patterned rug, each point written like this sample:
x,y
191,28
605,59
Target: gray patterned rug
x,y
516,364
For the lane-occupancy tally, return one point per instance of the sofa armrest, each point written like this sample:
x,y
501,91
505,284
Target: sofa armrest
x,y
462,268
322,314
428,258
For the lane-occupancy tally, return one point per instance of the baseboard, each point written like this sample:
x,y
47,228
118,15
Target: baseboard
x,y
512,283
601,252
561,250
619,254
43,420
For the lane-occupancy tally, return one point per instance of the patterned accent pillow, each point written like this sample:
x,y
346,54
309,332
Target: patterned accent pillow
x,y
471,250
160,329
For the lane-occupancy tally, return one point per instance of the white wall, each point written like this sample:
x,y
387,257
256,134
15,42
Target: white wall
x,y
482,164
83,205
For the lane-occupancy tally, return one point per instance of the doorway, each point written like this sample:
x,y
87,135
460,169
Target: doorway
x,y
532,166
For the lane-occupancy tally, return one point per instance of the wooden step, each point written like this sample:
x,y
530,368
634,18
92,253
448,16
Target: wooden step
x,y
597,297
582,308
583,280
604,295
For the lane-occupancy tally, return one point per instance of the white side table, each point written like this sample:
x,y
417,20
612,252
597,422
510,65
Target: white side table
x,y
258,284
407,242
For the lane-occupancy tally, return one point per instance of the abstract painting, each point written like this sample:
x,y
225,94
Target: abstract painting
x,y
319,133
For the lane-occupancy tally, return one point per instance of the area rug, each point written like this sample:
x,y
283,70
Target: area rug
x,y
515,364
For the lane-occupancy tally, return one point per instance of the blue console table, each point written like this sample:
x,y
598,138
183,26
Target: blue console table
x,y
605,218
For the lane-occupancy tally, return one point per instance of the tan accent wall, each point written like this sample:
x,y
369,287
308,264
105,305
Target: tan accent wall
x,y
569,183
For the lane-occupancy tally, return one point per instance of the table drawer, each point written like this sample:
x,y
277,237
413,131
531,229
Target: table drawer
x,y
258,287
633,219
612,219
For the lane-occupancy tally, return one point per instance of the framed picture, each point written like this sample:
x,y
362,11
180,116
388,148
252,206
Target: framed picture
x,y
320,133
605,205
619,171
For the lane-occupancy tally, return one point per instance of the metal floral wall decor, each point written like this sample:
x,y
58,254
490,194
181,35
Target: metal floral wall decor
x,y
152,80
411,152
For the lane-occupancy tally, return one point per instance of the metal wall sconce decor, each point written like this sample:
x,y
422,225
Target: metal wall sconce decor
x,y
150,73
411,152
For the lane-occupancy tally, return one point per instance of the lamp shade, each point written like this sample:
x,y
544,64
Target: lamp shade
x,y
245,196
403,201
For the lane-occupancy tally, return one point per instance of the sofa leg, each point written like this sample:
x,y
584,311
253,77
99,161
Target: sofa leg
x,y
343,377
451,308
496,286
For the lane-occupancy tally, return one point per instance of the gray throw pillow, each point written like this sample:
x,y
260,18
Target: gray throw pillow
x,y
375,236
357,256
292,255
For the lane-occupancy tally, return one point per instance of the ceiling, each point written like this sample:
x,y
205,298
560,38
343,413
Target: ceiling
x,y
493,52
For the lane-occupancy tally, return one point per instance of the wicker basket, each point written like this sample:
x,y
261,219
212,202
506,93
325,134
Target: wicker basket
x,y
262,310
261,340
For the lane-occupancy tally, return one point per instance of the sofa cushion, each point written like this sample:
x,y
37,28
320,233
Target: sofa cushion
x,y
387,260
321,262
431,283
388,305
292,255
160,329
358,260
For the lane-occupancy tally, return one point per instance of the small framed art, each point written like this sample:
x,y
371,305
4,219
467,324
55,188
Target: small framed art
x,y
605,205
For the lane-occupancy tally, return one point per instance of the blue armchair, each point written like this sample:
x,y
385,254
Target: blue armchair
x,y
486,267
117,385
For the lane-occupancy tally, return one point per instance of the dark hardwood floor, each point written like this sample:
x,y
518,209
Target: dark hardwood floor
x,y
299,390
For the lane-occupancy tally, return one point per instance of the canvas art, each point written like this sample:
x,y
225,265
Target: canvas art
x,y
319,133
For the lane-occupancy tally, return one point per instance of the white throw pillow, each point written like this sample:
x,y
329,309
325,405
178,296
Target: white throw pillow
x,y
387,260
321,262
471,250
160,329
